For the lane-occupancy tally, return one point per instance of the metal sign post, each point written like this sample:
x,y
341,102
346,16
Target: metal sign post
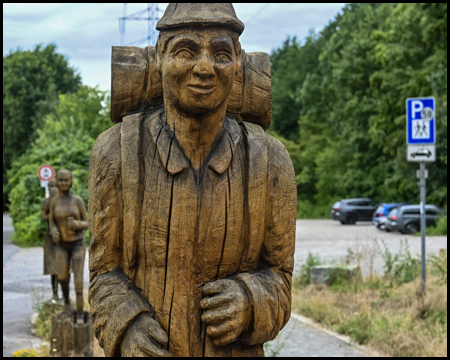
x,y
421,142
423,224
46,173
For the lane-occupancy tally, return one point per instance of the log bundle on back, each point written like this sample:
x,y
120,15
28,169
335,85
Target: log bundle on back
x,y
136,85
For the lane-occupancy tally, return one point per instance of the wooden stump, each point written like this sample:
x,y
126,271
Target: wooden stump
x,y
70,339
53,307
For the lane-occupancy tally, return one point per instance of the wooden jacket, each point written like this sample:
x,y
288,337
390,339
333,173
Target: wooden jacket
x,y
159,233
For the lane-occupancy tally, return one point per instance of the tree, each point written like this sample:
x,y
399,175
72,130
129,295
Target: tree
x,y
65,141
349,106
32,81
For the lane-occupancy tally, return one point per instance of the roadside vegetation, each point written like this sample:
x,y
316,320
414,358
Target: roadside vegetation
x,y
43,326
439,230
388,312
339,103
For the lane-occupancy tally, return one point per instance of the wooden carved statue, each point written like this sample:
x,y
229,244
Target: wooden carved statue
x,y
192,206
49,246
67,221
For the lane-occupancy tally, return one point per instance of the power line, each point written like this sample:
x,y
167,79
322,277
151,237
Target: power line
x,y
152,18
246,23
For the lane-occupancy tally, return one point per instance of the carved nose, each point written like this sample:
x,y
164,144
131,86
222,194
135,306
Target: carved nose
x,y
204,68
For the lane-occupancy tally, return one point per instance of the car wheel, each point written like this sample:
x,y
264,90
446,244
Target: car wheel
x,y
382,227
342,222
411,228
351,219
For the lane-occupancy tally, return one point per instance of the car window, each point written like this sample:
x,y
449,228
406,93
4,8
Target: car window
x,y
431,211
393,212
353,203
363,203
372,204
411,212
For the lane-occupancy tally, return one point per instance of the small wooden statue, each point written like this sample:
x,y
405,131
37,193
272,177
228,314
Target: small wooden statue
x,y
67,221
192,206
49,246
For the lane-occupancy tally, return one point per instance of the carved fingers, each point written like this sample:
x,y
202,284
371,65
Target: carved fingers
x,y
56,237
72,224
144,337
226,312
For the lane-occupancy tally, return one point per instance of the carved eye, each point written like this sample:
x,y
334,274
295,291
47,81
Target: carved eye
x,y
184,54
223,58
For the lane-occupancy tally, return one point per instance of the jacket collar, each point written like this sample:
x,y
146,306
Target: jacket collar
x,y
172,156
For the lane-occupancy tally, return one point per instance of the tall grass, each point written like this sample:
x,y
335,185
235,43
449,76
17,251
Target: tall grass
x,y
387,312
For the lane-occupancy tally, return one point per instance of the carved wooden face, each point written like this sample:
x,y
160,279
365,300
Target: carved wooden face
x,y
63,180
198,69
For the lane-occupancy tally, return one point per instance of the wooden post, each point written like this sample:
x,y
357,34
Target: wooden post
x,y
70,339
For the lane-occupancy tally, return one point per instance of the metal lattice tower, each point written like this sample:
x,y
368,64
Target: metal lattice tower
x,y
150,14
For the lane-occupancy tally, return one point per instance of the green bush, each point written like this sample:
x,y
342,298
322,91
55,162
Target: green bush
x,y
64,142
440,229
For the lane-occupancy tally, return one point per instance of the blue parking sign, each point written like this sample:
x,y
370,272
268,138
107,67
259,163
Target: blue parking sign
x,y
420,121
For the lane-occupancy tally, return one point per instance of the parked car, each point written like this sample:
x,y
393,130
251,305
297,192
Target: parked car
x,y
406,218
379,218
349,211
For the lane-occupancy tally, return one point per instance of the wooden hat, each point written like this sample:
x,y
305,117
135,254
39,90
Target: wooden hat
x,y
183,14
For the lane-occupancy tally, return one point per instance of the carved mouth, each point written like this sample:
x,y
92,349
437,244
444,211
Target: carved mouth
x,y
202,89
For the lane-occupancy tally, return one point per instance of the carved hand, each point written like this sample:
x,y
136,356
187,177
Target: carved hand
x,y
72,223
227,312
144,337
56,237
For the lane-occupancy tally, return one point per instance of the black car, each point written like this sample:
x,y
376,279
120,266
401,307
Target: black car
x,y
349,211
406,219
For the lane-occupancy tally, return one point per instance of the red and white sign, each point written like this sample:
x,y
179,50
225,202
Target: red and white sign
x,y
46,173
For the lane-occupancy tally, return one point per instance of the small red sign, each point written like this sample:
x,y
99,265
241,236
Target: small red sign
x,y
46,173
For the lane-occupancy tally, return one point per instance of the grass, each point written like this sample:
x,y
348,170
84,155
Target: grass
x,y
390,315
440,229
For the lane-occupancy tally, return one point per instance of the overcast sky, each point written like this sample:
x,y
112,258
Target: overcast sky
x,y
86,32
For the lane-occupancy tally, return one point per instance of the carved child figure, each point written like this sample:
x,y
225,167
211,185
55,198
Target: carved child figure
x,y
49,246
192,212
67,221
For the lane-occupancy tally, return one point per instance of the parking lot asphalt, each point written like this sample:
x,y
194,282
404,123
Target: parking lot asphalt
x,y
331,241
22,272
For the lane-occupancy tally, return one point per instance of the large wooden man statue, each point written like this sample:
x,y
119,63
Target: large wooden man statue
x,y
192,212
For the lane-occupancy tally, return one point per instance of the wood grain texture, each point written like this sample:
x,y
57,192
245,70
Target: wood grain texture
x,y
136,85
190,236
192,206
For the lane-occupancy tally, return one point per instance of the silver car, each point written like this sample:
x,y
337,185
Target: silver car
x,y
406,219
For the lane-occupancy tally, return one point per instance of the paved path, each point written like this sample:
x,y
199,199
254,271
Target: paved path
x,y
22,270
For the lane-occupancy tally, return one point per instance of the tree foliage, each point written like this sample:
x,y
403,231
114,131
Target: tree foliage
x,y
64,142
32,81
347,102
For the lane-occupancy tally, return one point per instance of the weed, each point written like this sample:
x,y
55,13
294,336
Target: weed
x,y
25,353
400,267
305,270
438,264
277,343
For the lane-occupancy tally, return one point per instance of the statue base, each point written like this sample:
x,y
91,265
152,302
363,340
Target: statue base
x,y
69,338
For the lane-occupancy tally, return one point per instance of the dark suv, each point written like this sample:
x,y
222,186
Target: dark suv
x,y
349,211
406,218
